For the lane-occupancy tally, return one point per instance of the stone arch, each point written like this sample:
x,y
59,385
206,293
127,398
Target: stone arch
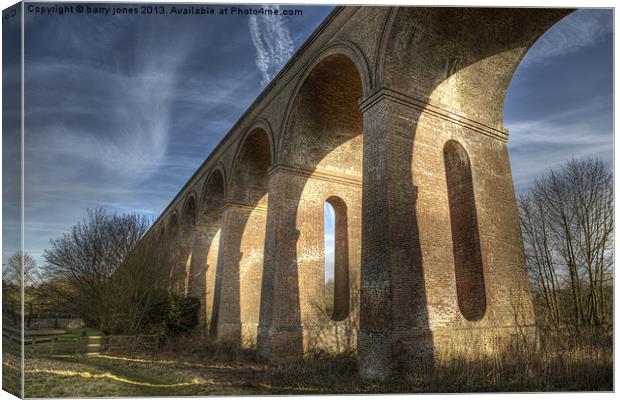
x,y
319,155
259,130
383,45
206,247
461,59
213,198
217,172
189,210
348,50
187,229
240,259
249,172
172,240
329,92
172,225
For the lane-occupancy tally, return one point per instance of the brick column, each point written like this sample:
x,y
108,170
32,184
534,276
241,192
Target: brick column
x,y
229,312
203,241
181,253
240,263
280,332
411,238
393,296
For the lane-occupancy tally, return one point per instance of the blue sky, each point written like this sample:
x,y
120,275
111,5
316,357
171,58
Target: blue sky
x,y
122,110
560,101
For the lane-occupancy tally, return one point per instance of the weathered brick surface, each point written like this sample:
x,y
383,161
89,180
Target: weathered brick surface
x,y
203,268
206,250
397,112
241,264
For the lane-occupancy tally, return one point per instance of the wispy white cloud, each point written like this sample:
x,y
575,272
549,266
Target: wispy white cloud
x,y
273,43
98,123
200,98
105,111
121,111
579,29
539,144
130,119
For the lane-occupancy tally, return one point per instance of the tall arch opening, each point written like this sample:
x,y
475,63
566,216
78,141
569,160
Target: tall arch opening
x,y
337,294
469,273
325,125
181,278
249,181
205,250
172,247
321,152
329,227
243,241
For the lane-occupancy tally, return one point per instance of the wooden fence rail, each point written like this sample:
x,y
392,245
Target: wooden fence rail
x,y
77,344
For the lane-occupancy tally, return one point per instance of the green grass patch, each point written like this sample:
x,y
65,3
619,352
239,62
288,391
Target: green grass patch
x,y
73,341
87,332
88,376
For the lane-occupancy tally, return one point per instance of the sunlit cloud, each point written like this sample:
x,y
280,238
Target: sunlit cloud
x,y
580,29
539,144
129,118
272,41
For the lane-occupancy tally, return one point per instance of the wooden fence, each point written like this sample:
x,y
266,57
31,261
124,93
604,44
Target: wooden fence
x,y
79,344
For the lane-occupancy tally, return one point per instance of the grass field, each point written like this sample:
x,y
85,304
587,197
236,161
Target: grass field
x,y
66,343
84,376
103,375
189,370
11,365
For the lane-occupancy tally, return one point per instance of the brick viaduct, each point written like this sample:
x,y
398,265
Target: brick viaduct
x,y
394,115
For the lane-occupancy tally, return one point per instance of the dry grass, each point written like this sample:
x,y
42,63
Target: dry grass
x,y
555,366
568,362
11,367
191,366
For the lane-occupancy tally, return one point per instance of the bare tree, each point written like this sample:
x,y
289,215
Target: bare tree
x,y
592,203
542,266
140,286
567,221
81,264
14,265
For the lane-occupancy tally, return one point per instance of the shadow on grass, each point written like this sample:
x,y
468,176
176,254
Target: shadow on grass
x,y
206,369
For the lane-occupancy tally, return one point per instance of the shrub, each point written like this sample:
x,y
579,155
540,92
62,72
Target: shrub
x,y
170,314
183,315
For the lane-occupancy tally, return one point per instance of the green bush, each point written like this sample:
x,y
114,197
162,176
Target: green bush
x,y
183,315
171,314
